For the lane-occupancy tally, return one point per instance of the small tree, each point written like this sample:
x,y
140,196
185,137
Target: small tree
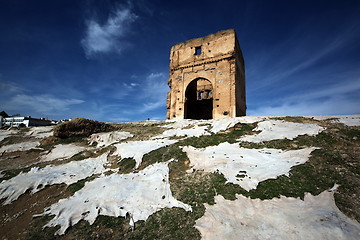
x,y
4,114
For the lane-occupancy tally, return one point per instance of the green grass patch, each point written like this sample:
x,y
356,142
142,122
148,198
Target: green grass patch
x,y
126,165
37,232
13,173
303,178
13,140
83,155
163,154
323,140
72,188
141,131
215,139
200,187
174,150
352,134
55,141
75,139
169,223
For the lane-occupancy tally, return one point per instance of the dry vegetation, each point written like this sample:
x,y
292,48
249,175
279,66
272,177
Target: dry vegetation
x,y
81,127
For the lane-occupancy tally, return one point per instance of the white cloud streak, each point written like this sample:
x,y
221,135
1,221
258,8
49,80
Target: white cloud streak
x,y
326,101
42,104
137,99
336,90
296,57
108,37
155,90
334,106
10,87
152,106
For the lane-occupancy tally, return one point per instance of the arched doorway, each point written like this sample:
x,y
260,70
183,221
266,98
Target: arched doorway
x,y
199,99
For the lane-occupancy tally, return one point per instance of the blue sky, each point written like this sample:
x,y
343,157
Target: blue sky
x,y
109,60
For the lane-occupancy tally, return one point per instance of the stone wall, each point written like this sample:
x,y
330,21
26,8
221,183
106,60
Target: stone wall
x,y
207,78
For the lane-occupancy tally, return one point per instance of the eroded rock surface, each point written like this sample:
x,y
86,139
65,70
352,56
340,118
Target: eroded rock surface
x,y
139,194
315,217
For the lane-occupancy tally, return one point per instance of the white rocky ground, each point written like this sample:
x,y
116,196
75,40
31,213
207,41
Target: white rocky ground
x,y
62,151
7,133
314,218
139,194
41,132
279,129
24,146
353,120
36,179
137,149
106,139
349,120
196,131
180,124
218,125
245,167
143,193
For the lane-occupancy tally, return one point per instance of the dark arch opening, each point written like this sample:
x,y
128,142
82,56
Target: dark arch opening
x,y
199,99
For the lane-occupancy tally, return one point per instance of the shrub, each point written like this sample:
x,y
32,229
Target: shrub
x,y
80,127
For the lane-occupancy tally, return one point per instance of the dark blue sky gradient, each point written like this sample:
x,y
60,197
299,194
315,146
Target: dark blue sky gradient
x,y
108,60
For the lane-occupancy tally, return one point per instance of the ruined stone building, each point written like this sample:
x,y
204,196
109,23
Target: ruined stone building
x,y
207,78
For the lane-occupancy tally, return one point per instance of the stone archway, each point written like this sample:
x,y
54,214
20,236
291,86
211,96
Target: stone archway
x,y
199,99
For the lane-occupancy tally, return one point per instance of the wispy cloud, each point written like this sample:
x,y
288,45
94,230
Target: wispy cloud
x,y
118,119
332,106
109,36
44,104
292,58
336,90
140,98
334,99
156,85
146,107
10,87
155,90
130,85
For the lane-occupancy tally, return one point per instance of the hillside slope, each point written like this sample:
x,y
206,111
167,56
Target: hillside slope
x,y
235,178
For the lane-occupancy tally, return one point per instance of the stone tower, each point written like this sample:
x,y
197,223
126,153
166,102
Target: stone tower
x,y
207,78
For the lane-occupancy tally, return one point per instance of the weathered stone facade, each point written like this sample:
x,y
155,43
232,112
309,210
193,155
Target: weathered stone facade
x,y
207,78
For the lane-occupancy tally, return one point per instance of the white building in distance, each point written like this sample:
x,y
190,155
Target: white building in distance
x,y
23,121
